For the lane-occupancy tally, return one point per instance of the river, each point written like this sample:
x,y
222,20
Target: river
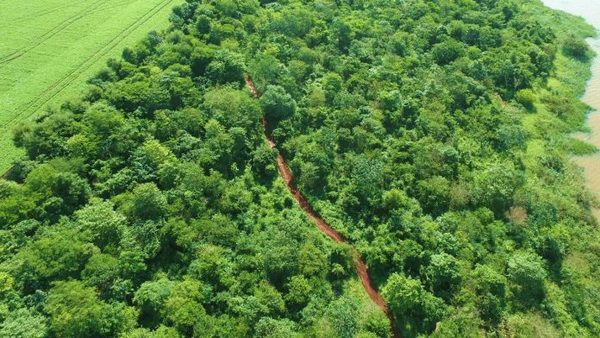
x,y
590,11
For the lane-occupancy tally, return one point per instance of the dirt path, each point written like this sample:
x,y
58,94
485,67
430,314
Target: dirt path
x,y
5,175
359,264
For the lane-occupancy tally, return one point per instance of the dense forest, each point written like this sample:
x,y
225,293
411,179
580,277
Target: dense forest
x,y
431,134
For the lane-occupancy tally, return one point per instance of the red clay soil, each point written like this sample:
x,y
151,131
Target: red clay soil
x,y
286,174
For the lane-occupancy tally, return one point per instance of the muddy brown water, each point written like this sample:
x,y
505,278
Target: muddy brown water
x,y
590,11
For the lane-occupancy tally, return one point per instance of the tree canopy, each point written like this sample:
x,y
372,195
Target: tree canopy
x,y
152,207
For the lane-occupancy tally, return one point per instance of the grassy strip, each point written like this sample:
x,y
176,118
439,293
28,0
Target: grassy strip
x,y
546,129
58,49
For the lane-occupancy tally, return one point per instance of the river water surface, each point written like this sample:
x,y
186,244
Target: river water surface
x,y
590,11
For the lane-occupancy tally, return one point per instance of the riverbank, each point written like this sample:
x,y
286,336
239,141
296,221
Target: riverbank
x,y
576,81
589,10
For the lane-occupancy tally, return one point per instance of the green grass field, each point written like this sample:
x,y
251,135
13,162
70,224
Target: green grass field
x,y
49,48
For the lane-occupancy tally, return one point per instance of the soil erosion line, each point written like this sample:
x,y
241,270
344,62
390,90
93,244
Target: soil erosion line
x,y
286,174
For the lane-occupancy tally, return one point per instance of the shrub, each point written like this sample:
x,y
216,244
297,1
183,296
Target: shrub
x,y
575,47
527,98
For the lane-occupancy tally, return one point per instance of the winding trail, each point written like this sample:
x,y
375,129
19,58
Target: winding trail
x,y
359,264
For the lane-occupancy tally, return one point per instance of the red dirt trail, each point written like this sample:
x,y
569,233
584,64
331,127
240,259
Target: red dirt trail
x,y
286,174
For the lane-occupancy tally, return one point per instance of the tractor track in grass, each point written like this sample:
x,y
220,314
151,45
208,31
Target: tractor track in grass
x,y
43,12
92,9
51,33
29,108
286,175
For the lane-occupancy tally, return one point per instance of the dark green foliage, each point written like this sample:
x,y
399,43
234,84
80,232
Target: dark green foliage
x,y
443,274
277,104
490,290
575,47
75,311
414,308
448,51
272,328
527,273
152,207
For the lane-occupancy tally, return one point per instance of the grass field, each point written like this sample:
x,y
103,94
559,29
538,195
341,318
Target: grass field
x,y
49,48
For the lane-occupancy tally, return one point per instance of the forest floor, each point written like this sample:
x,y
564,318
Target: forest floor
x,y
49,49
286,175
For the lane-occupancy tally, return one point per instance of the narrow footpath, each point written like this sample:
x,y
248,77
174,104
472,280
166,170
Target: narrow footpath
x,y
359,264
5,175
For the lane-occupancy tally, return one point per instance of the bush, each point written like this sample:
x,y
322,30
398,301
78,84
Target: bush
x,y
575,47
446,52
526,272
527,98
277,103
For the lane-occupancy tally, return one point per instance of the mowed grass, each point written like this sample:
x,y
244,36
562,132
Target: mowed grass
x,y
49,48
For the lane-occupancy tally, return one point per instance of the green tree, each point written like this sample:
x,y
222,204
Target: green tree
x,y
102,223
60,254
232,108
148,202
490,288
183,308
273,328
434,195
447,52
341,315
299,292
101,271
527,274
575,47
151,297
226,67
494,186
443,274
415,310
76,311
526,97
161,332
277,103
23,323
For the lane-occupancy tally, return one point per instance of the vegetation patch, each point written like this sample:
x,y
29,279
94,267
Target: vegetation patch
x,y
434,136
